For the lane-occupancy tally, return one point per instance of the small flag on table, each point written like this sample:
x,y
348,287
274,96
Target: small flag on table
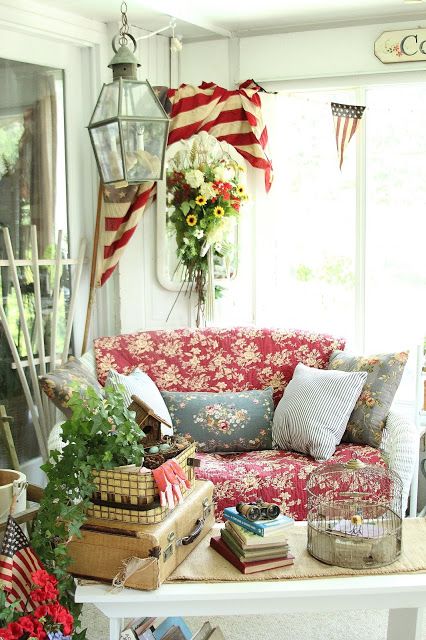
x,y
17,562
346,120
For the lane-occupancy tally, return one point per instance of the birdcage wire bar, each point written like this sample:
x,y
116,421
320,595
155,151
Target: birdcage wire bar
x,y
354,515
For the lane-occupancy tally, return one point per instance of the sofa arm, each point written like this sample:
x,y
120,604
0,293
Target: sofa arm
x,y
55,442
400,445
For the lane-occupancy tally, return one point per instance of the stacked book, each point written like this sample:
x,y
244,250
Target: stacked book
x,y
253,546
168,629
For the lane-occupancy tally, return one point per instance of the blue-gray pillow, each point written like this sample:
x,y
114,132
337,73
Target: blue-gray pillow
x,y
223,422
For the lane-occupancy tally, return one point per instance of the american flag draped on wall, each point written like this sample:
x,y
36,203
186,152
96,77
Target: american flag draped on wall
x,y
232,116
17,562
346,120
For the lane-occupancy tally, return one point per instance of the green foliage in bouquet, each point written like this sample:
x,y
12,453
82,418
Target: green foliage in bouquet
x,y
101,434
205,192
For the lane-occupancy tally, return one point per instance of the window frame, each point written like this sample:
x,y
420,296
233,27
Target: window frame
x,y
360,85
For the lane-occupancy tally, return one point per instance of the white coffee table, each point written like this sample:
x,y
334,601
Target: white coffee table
x,y
404,595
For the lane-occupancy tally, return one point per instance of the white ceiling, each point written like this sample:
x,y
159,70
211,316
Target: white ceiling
x,y
204,19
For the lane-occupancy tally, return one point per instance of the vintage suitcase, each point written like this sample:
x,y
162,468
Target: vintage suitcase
x,y
143,556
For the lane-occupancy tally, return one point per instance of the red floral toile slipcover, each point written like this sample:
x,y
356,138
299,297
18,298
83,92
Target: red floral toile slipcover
x,y
274,476
215,359
233,360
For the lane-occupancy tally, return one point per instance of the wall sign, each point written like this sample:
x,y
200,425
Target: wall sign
x,y
401,46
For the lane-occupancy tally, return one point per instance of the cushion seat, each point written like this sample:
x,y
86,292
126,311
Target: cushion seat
x,y
275,476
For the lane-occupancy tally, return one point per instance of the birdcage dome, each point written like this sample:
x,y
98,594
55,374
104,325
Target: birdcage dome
x,y
354,514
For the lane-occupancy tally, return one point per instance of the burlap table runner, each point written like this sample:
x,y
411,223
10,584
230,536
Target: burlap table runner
x,y
206,565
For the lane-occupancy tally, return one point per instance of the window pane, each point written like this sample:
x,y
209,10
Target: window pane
x,y
396,222
310,218
32,192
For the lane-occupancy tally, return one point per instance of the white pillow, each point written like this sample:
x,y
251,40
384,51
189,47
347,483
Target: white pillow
x,y
312,415
140,384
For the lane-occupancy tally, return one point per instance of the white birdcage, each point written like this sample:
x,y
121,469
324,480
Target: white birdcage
x,y
354,514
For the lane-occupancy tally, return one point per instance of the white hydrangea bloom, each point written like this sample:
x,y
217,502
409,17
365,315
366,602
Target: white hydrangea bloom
x,y
222,173
207,190
194,178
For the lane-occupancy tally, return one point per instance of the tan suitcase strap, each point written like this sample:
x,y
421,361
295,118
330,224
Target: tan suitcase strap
x,y
127,506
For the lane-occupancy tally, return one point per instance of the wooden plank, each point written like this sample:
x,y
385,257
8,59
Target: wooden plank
x,y
26,389
73,303
25,363
24,326
7,433
42,262
92,287
38,315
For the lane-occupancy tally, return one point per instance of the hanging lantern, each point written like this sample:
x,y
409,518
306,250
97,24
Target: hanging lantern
x,y
129,127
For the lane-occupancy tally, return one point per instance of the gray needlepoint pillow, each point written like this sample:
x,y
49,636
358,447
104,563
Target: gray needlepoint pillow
x,y
223,422
312,415
384,373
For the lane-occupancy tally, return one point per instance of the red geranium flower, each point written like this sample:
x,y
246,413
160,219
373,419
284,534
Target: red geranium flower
x,y
42,578
41,612
5,634
16,631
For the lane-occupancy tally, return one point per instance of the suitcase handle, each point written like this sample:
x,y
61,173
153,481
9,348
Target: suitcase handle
x,y
194,534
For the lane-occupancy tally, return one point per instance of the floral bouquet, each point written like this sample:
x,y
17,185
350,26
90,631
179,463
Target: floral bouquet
x,y
205,192
48,620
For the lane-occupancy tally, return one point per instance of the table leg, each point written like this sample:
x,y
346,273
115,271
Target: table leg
x,y
405,623
115,627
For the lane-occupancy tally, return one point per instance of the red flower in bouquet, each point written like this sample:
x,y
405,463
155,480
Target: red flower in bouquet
x,y
46,586
5,634
42,578
61,615
49,620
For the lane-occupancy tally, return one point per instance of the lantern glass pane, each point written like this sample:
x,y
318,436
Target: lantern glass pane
x,y
106,141
107,106
144,144
138,99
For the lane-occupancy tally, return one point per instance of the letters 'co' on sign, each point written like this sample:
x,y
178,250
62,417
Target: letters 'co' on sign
x,y
401,46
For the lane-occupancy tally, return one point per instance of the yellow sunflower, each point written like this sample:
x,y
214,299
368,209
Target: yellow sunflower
x,y
241,190
191,220
200,200
219,212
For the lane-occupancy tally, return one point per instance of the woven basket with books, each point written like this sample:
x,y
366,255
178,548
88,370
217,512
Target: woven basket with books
x,y
130,496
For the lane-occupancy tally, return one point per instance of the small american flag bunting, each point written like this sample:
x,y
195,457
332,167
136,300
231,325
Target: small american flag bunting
x,y
17,563
346,119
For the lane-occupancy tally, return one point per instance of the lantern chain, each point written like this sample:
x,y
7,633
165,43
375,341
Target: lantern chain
x,y
124,29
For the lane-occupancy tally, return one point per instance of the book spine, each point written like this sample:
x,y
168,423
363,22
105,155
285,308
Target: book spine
x,y
246,524
226,553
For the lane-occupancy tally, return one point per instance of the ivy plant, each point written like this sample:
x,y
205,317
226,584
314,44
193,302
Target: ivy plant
x,y
100,434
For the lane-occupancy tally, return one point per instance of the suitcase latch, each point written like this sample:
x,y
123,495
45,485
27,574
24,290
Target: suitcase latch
x,y
207,507
168,551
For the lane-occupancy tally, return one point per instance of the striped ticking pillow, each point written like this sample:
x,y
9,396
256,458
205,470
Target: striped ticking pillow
x,y
139,383
312,415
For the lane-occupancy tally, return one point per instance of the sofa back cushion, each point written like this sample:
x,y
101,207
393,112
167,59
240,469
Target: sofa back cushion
x,y
234,359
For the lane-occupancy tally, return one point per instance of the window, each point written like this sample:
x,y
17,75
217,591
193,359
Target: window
x,y
32,192
345,247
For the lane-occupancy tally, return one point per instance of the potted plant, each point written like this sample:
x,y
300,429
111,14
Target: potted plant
x,y
100,434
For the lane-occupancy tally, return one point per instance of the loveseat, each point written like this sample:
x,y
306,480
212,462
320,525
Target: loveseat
x,y
239,359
